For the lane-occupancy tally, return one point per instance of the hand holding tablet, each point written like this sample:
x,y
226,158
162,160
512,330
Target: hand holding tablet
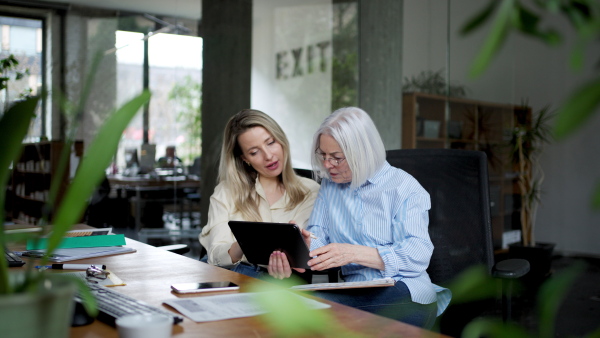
x,y
259,239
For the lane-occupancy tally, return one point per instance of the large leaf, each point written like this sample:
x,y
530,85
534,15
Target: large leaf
x,y
479,19
287,316
596,198
473,284
551,296
495,39
486,327
577,108
91,170
13,128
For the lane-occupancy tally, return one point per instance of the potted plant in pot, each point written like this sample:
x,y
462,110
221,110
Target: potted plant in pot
x,y
527,142
37,303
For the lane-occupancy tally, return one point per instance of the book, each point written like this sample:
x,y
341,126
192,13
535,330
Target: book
x,y
80,242
345,285
81,239
65,255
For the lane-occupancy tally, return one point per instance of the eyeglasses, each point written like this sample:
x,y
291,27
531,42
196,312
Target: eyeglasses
x,y
334,161
94,272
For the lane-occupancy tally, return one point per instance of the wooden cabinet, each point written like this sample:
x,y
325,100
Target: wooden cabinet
x,y
33,174
433,121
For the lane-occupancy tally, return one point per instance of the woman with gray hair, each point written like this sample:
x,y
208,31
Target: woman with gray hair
x,y
371,220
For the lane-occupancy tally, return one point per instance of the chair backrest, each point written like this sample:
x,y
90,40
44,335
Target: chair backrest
x,y
459,218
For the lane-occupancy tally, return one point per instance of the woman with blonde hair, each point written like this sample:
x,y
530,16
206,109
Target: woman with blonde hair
x,y
256,182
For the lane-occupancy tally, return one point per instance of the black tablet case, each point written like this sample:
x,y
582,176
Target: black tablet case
x,y
259,239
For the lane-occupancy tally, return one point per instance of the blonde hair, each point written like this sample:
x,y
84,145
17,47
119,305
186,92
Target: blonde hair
x,y
240,178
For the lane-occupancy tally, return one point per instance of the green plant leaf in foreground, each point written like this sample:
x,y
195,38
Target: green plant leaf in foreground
x,y
479,19
91,170
577,108
495,38
596,197
551,296
288,316
472,284
13,126
486,327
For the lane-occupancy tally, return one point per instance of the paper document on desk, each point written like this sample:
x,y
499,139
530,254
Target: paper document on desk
x,y
219,307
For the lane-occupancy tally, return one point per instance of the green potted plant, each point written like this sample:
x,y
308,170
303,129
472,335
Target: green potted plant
x,y
527,143
37,303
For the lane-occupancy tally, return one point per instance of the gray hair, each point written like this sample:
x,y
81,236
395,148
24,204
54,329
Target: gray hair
x,y
359,140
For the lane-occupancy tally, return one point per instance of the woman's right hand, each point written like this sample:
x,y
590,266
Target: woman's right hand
x,y
279,266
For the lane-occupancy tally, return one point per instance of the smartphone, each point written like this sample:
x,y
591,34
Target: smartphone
x,y
204,287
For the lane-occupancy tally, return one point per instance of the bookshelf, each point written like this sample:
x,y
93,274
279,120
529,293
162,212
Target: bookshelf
x,y
32,175
434,121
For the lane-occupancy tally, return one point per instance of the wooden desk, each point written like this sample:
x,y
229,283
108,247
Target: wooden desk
x,y
150,272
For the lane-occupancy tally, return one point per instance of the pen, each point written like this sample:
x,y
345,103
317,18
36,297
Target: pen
x,y
70,266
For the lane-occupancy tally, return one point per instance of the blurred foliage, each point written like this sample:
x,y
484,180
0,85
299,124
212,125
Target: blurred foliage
x,y
433,83
287,316
344,73
549,298
187,96
9,70
512,16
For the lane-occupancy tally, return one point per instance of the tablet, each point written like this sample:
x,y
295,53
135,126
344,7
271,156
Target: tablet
x,y
259,239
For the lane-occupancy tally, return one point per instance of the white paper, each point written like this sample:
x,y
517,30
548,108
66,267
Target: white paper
x,y
219,307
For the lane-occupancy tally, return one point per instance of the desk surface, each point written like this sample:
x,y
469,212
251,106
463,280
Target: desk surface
x,y
149,273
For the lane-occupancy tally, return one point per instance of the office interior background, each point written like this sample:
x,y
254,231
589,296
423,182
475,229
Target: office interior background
x,y
298,61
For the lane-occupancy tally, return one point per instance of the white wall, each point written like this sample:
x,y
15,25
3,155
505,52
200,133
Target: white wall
x,y
299,103
523,69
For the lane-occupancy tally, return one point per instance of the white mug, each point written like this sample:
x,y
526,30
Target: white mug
x,y
144,326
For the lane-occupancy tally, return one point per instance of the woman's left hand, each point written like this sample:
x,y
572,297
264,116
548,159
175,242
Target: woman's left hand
x,y
332,255
340,254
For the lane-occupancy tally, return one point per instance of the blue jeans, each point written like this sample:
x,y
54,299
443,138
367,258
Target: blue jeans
x,y
393,302
249,270
263,273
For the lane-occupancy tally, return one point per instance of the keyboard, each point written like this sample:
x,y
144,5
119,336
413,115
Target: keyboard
x,y
112,305
12,259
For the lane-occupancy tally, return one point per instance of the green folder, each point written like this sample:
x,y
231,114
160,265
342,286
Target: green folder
x,y
80,242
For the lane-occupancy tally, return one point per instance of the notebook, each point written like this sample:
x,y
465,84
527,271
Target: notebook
x,y
259,239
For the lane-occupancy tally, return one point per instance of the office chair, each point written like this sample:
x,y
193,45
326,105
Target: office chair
x,y
459,222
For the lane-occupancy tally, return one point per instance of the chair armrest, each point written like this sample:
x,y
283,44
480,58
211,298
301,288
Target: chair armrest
x,y
511,268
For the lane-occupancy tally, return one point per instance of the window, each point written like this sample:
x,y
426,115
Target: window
x,y
23,39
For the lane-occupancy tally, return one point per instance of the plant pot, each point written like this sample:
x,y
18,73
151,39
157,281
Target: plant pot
x,y
539,257
46,312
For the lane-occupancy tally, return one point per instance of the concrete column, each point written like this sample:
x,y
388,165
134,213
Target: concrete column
x,y
380,66
226,29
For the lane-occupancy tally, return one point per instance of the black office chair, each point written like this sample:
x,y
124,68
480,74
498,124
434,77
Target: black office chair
x,y
459,222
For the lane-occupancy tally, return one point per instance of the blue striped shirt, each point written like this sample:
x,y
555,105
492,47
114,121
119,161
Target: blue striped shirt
x,y
390,213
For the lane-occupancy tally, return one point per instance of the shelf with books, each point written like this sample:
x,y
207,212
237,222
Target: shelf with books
x,y
32,175
435,121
